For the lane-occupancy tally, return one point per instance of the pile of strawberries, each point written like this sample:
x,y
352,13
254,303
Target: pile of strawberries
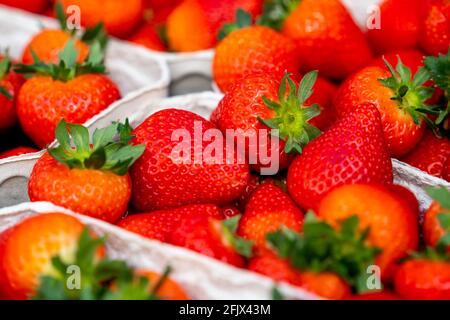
x,y
305,92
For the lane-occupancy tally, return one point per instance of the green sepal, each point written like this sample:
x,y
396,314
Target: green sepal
x,y
277,294
440,195
291,115
242,246
409,91
68,68
5,67
109,151
321,248
439,69
275,13
243,19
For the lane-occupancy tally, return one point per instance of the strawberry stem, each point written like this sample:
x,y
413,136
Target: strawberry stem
x,y
275,12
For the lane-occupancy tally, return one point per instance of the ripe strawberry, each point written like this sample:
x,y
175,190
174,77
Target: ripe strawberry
x,y
436,226
392,225
35,6
255,49
158,4
352,151
213,238
75,92
446,171
17,152
399,26
326,285
26,251
435,27
327,38
257,104
161,224
272,266
178,166
378,295
167,290
230,211
205,18
430,155
399,97
406,196
119,17
323,95
10,84
90,179
423,279
148,37
268,210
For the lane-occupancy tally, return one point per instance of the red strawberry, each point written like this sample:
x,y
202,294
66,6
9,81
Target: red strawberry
x,y
268,210
399,97
423,279
399,26
446,170
10,84
181,171
405,195
352,151
230,211
148,37
213,238
411,58
274,267
259,102
255,49
327,38
323,95
430,155
435,30
326,285
160,225
17,152
35,6
436,224
379,295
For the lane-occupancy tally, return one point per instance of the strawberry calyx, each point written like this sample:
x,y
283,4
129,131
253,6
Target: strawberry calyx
x,y
5,67
89,277
409,91
228,230
291,120
321,248
243,20
109,151
68,68
96,34
275,12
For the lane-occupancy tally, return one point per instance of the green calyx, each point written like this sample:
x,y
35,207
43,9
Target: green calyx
x,y
291,120
243,19
321,248
89,277
275,12
96,34
5,67
242,246
409,91
68,68
109,151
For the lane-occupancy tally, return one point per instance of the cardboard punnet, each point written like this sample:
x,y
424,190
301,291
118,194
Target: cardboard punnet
x,y
135,69
15,172
202,277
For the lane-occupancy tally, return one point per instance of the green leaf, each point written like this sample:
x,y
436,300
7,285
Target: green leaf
x,y
305,89
50,289
68,56
276,294
97,34
243,19
80,137
61,15
6,93
242,246
441,195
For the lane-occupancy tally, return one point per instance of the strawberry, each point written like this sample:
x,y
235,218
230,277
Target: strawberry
x,y
332,261
446,171
167,290
26,251
259,102
205,18
436,225
323,95
17,152
148,37
10,84
161,224
35,6
399,97
399,26
380,295
230,211
351,151
405,195
272,266
268,210
178,167
430,155
69,90
435,27
392,225
327,38
423,279
213,238
91,178
254,49
118,17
